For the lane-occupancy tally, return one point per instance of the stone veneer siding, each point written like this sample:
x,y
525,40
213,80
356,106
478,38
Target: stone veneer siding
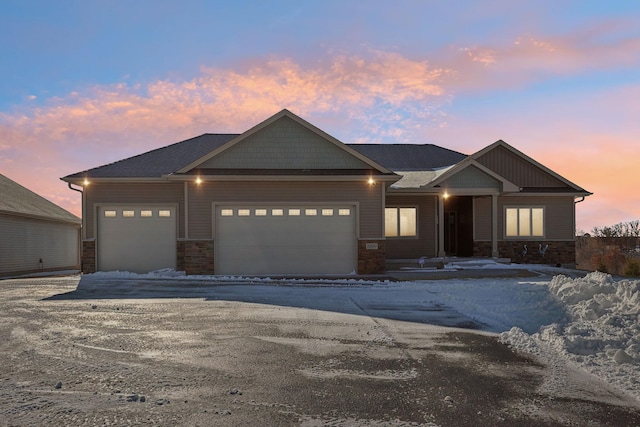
x,y
198,257
88,256
180,247
371,261
558,252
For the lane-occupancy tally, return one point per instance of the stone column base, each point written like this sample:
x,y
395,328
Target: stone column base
x,y
198,257
88,260
371,256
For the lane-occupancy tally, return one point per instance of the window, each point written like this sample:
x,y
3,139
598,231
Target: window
x,y
164,213
110,214
146,214
277,212
128,214
524,222
344,212
244,212
311,212
327,212
400,222
261,212
226,212
294,212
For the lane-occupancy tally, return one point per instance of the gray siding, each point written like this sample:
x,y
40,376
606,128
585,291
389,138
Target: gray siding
x,y
24,242
284,144
424,244
482,218
517,170
132,193
558,215
471,177
203,196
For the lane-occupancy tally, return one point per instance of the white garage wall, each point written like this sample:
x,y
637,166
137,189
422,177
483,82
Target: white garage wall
x,y
24,242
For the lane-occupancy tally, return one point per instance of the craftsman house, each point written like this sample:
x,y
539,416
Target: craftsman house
x,y
36,235
284,197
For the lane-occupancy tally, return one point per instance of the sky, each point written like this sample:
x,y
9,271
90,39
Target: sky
x,y
86,83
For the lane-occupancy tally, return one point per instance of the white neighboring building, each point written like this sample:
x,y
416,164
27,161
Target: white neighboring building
x,y
36,235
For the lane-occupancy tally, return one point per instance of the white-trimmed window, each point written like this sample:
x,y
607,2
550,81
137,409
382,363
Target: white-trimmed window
x,y
524,222
400,222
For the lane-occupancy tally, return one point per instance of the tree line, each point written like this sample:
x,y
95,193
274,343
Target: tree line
x,y
611,249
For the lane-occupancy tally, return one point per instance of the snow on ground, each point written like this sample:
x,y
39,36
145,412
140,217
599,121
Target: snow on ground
x,y
591,322
601,333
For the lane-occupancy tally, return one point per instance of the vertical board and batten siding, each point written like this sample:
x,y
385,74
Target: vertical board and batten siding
x,y
559,212
482,222
425,243
517,170
132,194
26,241
285,144
202,197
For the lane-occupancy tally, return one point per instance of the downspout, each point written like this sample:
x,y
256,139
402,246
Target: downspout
x,y
82,230
581,200
81,192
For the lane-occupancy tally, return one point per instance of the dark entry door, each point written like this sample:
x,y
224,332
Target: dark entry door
x,y
458,226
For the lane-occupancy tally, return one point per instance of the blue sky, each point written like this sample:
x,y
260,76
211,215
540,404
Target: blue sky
x,y
85,83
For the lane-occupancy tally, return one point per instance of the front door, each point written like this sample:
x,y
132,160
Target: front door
x,y
458,226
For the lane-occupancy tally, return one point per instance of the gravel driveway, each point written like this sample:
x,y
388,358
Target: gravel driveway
x,y
73,357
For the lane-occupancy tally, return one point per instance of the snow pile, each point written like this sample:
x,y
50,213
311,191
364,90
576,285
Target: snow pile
x,y
602,330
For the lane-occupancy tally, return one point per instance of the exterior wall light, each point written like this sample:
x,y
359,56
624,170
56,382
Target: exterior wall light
x,y
371,181
445,195
198,180
85,182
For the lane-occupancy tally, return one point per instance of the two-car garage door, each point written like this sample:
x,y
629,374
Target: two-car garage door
x,y
136,239
285,240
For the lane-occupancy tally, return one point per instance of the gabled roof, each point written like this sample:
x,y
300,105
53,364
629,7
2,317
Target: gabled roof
x,y
518,153
159,162
271,120
507,186
410,157
18,200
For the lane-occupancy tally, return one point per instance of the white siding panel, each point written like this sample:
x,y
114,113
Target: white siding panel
x,y
24,242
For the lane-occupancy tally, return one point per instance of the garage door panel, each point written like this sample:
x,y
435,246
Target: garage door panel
x,y
136,239
298,240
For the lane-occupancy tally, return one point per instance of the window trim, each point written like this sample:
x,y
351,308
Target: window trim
x,y
398,222
531,236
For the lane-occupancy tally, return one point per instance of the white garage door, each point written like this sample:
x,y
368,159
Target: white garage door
x,y
270,240
137,239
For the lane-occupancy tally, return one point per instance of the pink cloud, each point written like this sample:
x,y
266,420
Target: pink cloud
x,y
107,123
529,58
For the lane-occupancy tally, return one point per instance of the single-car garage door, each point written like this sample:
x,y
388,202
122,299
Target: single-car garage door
x,y
267,240
137,239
